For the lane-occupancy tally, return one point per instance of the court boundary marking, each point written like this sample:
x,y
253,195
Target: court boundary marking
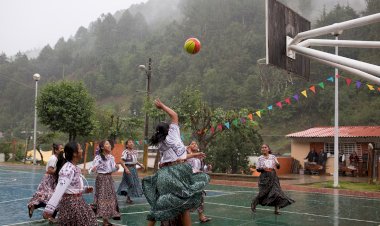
x,y
298,213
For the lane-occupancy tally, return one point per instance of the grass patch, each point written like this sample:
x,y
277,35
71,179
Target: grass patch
x,y
355,186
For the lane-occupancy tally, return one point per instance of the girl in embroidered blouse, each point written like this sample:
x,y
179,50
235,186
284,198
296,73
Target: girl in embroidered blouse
x,y
174,190
270,192
46,188
105,199
73,210
130,185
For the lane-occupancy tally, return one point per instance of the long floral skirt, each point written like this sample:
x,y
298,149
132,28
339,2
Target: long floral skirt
x,y
105,197
130,184
74,211
270,192
44,190
173,190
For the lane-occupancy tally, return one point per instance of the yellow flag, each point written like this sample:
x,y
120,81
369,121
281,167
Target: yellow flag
x,y
258,113
370,87
304,93
91,143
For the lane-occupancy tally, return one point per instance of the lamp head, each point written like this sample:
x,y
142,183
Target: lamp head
x,y
36,77
142,67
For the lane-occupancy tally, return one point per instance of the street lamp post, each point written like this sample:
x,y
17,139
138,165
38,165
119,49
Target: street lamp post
x,y
36,78
148,73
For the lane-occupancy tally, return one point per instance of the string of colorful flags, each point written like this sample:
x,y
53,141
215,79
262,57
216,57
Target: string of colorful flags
x,y
258,114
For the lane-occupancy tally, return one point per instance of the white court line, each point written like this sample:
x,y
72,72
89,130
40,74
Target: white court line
x,y
318,193
14,200
134,213
299,213
16,171
26,222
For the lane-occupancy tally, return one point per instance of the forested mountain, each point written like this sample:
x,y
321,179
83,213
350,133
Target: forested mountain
x,y
105,57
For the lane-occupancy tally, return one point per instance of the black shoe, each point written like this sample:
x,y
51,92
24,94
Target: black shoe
x,y
30,210
253,207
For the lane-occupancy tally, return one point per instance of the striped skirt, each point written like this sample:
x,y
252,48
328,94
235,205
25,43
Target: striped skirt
x,y
74,211
173,190
44,190
105,197
130,184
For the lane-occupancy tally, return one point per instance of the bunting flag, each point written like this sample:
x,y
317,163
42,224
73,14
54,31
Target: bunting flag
x,y
220,127
140,142
136,142
279,104
304,93
337,76
258,113
91,144
145,142
235,122
370,87
322,85
358,84
312,88
122,141
348,81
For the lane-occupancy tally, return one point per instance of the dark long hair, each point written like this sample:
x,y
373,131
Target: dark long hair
x,y
55,148
162,130
69,150
101,148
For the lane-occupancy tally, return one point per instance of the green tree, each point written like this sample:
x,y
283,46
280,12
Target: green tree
x,y
67,107
238,140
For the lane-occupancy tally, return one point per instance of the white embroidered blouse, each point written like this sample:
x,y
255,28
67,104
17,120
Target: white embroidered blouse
x,y
129,157
172,148
69,182
103,166
196,163
52,162
269,162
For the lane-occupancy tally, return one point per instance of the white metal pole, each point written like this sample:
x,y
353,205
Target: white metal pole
x,y
336,124
35,125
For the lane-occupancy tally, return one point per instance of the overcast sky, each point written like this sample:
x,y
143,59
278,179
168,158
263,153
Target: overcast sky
x,y
29,24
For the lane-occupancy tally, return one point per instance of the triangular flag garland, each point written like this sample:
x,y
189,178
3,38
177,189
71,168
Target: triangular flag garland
x,y
304,93
296,97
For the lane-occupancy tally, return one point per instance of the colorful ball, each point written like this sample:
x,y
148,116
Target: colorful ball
x,y
192,45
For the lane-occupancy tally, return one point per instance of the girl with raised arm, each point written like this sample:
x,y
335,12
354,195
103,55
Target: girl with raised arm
x,y
174,190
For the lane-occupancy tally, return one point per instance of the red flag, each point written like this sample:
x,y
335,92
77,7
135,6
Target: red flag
x,y
220,127
279,104
348,81
312,88
287,100
212,129
250,116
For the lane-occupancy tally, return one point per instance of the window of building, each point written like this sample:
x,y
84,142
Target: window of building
x,y
345,148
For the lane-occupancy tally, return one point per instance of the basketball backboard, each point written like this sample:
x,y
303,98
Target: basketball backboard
x,y
280,23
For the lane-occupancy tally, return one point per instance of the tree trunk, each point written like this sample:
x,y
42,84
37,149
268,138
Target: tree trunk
x,y
42,158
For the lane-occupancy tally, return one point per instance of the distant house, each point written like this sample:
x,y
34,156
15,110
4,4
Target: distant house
x,y
351,138
1,135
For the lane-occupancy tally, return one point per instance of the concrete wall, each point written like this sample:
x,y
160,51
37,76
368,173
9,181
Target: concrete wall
x,y
299,150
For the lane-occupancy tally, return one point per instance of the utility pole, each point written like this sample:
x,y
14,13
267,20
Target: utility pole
x,y
148,73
